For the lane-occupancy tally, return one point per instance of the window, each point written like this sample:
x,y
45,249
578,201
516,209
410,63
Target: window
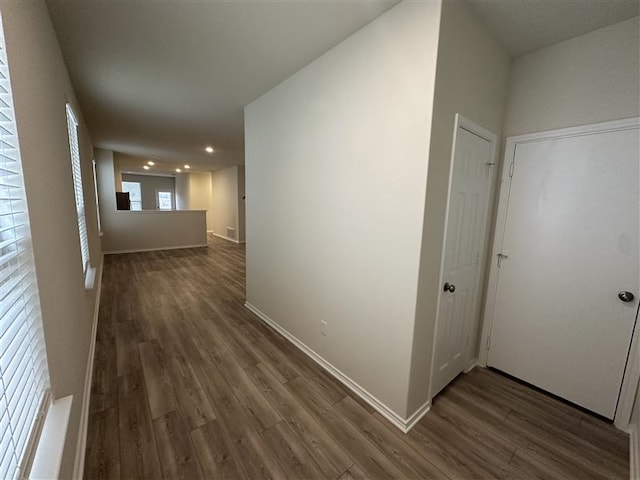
x,y
135,194
164,199
95,186
72,125
24,378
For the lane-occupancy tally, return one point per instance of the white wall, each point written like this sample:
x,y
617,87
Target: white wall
x,y
183,193
225,202
148,186
336,166
41,88
133,231
241,205
471,79
193,192
588,79
201,197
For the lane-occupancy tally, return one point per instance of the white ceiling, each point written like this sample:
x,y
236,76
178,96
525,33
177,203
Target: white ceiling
x,y
166,78
524,26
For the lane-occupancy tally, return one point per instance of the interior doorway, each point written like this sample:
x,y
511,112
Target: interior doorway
x,y
563,294
470,180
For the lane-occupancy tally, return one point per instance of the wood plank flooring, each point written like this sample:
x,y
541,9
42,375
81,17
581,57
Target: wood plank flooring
x,y
188,384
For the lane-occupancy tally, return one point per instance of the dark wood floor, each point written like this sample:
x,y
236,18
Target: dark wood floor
x,y
189,384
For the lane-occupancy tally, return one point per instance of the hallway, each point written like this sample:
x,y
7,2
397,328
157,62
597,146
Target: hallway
x,y
189,384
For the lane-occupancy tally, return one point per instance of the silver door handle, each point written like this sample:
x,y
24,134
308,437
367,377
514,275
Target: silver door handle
x,y
626,296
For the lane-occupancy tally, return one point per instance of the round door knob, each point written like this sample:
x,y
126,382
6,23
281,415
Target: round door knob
x,y
449,287
626,296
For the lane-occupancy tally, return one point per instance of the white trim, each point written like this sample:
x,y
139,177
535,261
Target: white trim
x,y
81,446
404,424
632,372
630,382
634,452
474,128
227,238
155,212
90,278
414,418
48,457
471,365
155,249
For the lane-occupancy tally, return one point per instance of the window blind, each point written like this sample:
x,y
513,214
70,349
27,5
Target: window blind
x,y
72,124
95,188
24,378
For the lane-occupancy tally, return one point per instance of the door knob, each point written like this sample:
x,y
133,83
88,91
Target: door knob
x,y
624,296
450,287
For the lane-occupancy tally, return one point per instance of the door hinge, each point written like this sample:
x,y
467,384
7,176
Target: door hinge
x,y
477,258
512,167
488,346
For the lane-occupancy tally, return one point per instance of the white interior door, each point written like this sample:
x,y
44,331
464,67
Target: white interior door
x,y
571,245
463,254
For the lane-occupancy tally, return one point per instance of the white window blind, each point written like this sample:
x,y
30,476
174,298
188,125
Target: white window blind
x,y
24,378
72,125
95,188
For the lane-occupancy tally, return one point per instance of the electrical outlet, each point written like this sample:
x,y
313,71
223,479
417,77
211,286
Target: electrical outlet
x,y
323,327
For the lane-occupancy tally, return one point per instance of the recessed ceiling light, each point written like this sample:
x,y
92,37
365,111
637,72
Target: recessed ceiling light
x,y
178,170
187,166
209,149
146,167
150,162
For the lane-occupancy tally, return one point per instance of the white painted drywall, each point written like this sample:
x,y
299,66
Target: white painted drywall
x,y
201,195
118,177
41,88
183,194
224,184
336,167
241,204
471,79
146,230
155,230
588,79
148,186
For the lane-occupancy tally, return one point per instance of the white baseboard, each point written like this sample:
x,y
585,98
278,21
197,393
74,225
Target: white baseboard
x,y
634,452
471,365
81,446
404,424
226,238
137,250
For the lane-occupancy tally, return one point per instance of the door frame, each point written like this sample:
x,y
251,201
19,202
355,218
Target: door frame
x,y
472,127
631,376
